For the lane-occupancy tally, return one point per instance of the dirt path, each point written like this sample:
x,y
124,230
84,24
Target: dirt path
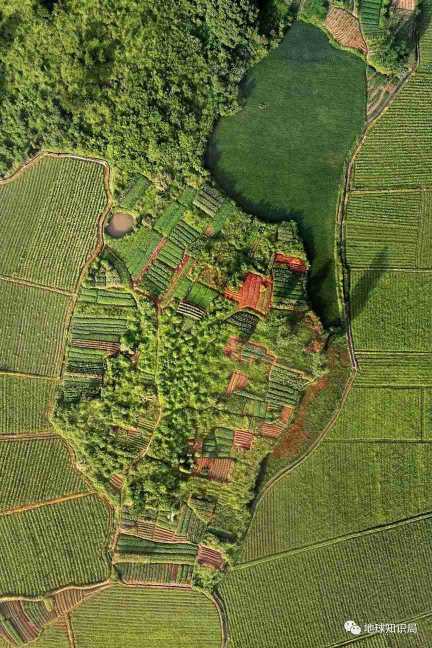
x,y
51,502
28,437
32,284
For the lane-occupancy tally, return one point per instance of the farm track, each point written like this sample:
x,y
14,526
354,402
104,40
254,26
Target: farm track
x,y
70,634
336,540
28,437
19,374
51,502
32,284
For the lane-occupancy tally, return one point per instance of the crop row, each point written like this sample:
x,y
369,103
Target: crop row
x,y
341,489
76,387
39,212
34,471
158,277
396,152
24,404
101,297
391,311
169,218
405,370
172,618
144,573
184,235
332,583
34,326
136,249
109,329
53,546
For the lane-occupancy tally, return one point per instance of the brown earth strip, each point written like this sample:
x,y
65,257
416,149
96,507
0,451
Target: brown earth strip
x,y
52,502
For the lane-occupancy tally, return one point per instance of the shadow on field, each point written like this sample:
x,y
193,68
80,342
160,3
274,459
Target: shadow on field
x,y
320,274
361,292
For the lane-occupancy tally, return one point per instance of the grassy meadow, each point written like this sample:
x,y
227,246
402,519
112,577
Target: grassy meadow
x,y
283,153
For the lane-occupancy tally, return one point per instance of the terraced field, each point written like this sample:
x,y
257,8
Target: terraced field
x,y
318,546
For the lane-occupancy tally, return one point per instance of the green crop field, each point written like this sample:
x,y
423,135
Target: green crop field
x,y
35,470
380,413
284,152
176,419
390,312
34,329
396,151
383,230
51,637
342,488
138,617
49,547
24,404
39,209
303,599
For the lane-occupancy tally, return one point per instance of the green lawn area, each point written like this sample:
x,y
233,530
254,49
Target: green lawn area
x,y
283,154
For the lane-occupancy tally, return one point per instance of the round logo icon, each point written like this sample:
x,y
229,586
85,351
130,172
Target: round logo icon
x,y
351,626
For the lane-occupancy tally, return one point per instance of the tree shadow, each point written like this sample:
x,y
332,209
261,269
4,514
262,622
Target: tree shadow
x,y
361,292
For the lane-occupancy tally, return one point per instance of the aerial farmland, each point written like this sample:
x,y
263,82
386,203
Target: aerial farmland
x,y
215,350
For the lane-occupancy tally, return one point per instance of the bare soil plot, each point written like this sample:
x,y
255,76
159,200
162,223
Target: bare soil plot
x,y
345,28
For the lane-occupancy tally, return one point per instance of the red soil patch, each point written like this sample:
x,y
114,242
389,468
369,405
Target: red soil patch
x,y
296,435
254,293
243,439
294,263
270,430
345,28
117,481
238,380
108,347
405,5
210,557
286,413
120,224
214,469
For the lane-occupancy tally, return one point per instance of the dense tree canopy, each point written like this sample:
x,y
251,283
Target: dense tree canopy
x,y
139,82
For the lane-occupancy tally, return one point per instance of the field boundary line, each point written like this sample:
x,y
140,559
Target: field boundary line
x,y
405,269
380,528
98,587
223,616
20,374
51,502
416,189
70,633
388,441
28,437
33,284
341,219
